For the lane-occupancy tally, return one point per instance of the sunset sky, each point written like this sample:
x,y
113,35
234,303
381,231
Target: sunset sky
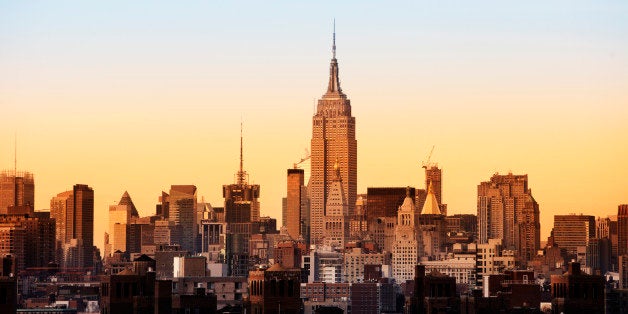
x,y
139,95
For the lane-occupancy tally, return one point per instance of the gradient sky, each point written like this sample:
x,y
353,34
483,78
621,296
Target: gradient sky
x,y
139,95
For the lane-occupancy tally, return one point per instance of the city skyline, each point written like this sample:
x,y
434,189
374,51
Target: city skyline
x,y
141,112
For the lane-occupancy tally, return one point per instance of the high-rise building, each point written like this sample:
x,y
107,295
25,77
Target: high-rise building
x,y
182,211
17,192
241,210
571,231
407,247
507,211
120,215
622,229
294,200
74,214
333,138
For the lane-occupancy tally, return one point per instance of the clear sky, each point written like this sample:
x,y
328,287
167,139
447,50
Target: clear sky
x,y
139,95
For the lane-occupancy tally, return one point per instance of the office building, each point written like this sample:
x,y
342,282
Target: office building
x,y
17,192
571,231
333,138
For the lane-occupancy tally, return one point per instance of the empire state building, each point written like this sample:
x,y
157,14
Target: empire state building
x,y
333,140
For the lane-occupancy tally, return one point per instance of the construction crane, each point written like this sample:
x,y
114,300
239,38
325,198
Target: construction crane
x,y
426,164
307,156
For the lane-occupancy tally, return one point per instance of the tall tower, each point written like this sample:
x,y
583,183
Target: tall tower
x,y
333,138
294,202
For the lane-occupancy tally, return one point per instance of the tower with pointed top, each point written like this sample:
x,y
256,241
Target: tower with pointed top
x,y
407,247
241,210
333,137
432,224
119,217
336,231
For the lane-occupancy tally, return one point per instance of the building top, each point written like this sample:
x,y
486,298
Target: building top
x,y
334,90
408,203
143,258
187,189
126,200
431,203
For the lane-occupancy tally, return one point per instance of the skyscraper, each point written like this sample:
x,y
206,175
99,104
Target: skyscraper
x,y
294,200
333,138
241,209
622,230
507,211
17,192
74,214
182,203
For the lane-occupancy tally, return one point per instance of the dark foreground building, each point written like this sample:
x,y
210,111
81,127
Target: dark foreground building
x,y
576,292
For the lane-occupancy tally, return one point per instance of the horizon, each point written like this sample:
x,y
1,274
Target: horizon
x,y
154,98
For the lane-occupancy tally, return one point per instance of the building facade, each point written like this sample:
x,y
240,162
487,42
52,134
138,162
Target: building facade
x,y
507,211
73,212
294,201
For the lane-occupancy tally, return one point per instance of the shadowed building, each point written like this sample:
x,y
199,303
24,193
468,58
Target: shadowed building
x,y
275,290
333,138
575,292
385,201
622,229
293,216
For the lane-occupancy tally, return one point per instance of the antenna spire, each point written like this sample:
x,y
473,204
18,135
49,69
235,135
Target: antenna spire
x,y
15,154
333,47
241,176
